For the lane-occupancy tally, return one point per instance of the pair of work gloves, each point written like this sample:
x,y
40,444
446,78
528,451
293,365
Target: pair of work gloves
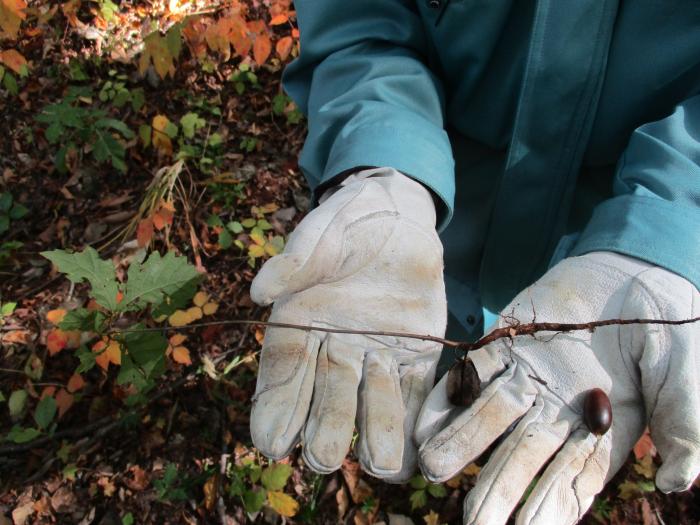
x,y
369,258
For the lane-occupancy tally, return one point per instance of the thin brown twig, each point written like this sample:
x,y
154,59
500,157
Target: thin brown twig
x,y
506,332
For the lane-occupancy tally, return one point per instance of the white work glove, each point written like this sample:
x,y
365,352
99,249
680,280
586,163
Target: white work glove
x,y
651,374
368,258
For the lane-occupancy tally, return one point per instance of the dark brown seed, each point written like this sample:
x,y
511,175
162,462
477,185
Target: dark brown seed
x,y
463,383
597,411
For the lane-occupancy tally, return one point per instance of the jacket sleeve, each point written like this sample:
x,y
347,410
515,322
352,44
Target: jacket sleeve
x,y
655,212
362,80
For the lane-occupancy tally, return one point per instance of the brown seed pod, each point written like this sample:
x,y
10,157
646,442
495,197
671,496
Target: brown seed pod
x,y
463,383
597,411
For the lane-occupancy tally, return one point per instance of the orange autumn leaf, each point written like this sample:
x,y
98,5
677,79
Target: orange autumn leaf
x,y
279,20
11,16
14,60
195,313
107,352
56,340
64,400
262,47
284,47
200,299
144,232
295,33
177,339
56,316
179,318
644,446
75,383
210,308
181,355
164,216
161,139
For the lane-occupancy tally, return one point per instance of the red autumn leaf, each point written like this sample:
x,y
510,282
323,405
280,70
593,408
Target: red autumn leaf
x,y
56,341
164,216
64,401
144,232
262,47
75,383
284,47
48,391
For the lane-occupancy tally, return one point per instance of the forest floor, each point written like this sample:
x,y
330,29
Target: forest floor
x,y
160,126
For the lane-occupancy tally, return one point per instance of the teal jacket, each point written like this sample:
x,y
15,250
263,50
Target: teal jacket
x,y
545,128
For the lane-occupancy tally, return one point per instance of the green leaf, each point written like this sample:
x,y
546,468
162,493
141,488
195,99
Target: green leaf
x,y
2,71
2,397
87,359
215,140
235,227
225,240
275,476
18,211
191,123
22,435
10,83
145,133
158,277
145,347
7,309
117,125
253,500
87,265
249,223
214,220
107,148
4,223
418,499
437,491
5,201
128,519
138,99
264,225
17,403
83,320
45,412
418,482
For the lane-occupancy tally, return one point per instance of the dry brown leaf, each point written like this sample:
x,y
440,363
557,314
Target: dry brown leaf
x,y
17,337
210,492
140,478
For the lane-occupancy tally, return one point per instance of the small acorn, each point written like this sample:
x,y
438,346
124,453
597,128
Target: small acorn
x,y
597,411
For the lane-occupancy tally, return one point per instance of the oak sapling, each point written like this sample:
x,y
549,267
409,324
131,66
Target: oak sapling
x,y
597,411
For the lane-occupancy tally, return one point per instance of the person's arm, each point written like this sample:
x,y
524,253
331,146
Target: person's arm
x,y
370,97
655,214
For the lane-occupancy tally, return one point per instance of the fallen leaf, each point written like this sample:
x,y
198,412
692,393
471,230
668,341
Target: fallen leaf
x,y
210,492
108,488
341,498
471,470
645,467
144,232
140,479
22,512
282,503
14,60
160,139
17,337
432,518
279,20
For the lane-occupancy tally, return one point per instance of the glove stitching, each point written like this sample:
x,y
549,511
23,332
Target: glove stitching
x,y
574,482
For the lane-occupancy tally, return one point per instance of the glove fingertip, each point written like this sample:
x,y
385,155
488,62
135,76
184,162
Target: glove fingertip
x,y
676,476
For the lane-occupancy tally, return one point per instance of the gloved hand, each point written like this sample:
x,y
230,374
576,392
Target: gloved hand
x,y
368,258
651,374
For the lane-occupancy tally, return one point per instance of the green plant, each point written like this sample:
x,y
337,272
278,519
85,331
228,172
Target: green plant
x,y
252,236
10,211
9,81
116,92
254,487
421,489
283,105
170,486
243,77
84,129
156,287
